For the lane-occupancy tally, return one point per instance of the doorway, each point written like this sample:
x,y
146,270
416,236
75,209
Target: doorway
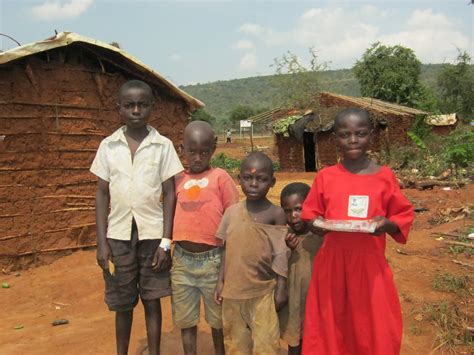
x,y
309,152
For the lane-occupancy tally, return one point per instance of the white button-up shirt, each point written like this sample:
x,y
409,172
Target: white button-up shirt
x,y
135,188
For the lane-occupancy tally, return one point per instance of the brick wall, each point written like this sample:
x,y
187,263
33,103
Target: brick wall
x,y
290,153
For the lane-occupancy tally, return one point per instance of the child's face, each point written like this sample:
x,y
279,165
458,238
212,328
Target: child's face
x,y
353,136
198,152
135,107
292,205
256,179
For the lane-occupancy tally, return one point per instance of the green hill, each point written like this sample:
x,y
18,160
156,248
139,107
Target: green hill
x,y
261,92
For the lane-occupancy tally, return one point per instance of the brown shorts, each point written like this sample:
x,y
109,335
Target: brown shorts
x,y
134,276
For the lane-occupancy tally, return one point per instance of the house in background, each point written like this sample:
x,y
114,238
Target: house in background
x,y
58,101
442,124
304,139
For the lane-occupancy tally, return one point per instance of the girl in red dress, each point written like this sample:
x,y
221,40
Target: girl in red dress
x,y
352,305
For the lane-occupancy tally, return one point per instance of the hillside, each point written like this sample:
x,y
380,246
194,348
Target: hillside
x,y
221,97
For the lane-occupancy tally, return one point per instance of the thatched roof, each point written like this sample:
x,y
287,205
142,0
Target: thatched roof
x,y
328,104
269,116
107,53
376,106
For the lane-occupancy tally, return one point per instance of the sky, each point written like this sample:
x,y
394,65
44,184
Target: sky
x,y
196,41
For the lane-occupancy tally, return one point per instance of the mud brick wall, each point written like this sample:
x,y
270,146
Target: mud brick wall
x,y
53,114
326,149
290,153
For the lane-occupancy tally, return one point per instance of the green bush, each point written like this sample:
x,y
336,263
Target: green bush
x,y
224,162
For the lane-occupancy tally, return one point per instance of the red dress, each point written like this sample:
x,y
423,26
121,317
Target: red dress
x,y
352,305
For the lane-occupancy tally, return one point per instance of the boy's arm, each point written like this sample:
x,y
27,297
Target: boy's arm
x,y
220,281
102,199
281,290
162,259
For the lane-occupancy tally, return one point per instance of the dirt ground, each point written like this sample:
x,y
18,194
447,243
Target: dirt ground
x,y
72,288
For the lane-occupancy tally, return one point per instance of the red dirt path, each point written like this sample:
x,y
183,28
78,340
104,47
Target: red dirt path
x,y
75,283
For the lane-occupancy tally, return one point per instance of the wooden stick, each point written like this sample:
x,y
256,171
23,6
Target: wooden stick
x,y
462,263
49,250
66,196
468,245
88,150
447,234
71,227
86,182
57,168
55,133
74,209
44,104
15,236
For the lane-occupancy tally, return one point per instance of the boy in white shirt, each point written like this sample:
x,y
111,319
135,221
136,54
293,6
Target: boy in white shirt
x,y
135,165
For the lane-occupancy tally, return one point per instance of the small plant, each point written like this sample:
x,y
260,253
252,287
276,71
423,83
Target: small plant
x,y
450,283
224,162
451,325
414,329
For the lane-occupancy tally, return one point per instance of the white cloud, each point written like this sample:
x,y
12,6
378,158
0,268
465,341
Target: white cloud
x,y
341,36
176,57
251,29
248,62
57,10
244,45
432,36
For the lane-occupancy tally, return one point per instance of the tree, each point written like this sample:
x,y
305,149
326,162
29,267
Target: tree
x,y
390,74
202,115
298,83
241,112
456,83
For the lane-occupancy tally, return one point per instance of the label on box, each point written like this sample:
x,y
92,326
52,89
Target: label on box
x,y
358,206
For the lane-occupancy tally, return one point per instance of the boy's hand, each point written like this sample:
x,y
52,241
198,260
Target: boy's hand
x,y
218,293
384,225
161,260
291,240
281,293
103,255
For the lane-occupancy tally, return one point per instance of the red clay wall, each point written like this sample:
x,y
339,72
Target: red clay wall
x,y
53,121
290,153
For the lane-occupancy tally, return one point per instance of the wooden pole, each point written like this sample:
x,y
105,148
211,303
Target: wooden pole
x,y
251,137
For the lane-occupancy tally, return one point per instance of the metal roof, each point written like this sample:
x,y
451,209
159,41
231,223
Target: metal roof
x,y
63,39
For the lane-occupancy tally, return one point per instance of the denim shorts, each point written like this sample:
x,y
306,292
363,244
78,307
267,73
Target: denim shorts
x,y
194,276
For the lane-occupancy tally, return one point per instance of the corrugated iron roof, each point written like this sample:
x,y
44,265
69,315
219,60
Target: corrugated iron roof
x,y
66,38
442,120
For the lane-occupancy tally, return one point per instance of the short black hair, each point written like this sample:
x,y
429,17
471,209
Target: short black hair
x,y
295,188
135,84
356,111
259,156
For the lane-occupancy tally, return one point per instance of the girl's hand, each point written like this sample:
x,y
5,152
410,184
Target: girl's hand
x,y
291,240
384,225
317,230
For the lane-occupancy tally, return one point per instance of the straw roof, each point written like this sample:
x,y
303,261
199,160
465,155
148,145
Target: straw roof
x,y
330,104
105,52
269,116
374,105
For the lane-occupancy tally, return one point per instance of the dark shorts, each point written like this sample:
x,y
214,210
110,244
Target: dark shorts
x,y
134,276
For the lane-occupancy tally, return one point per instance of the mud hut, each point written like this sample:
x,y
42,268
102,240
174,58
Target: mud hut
x,y
58,101
304,140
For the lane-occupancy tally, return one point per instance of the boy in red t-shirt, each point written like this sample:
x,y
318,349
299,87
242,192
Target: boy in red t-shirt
x,y
203,195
